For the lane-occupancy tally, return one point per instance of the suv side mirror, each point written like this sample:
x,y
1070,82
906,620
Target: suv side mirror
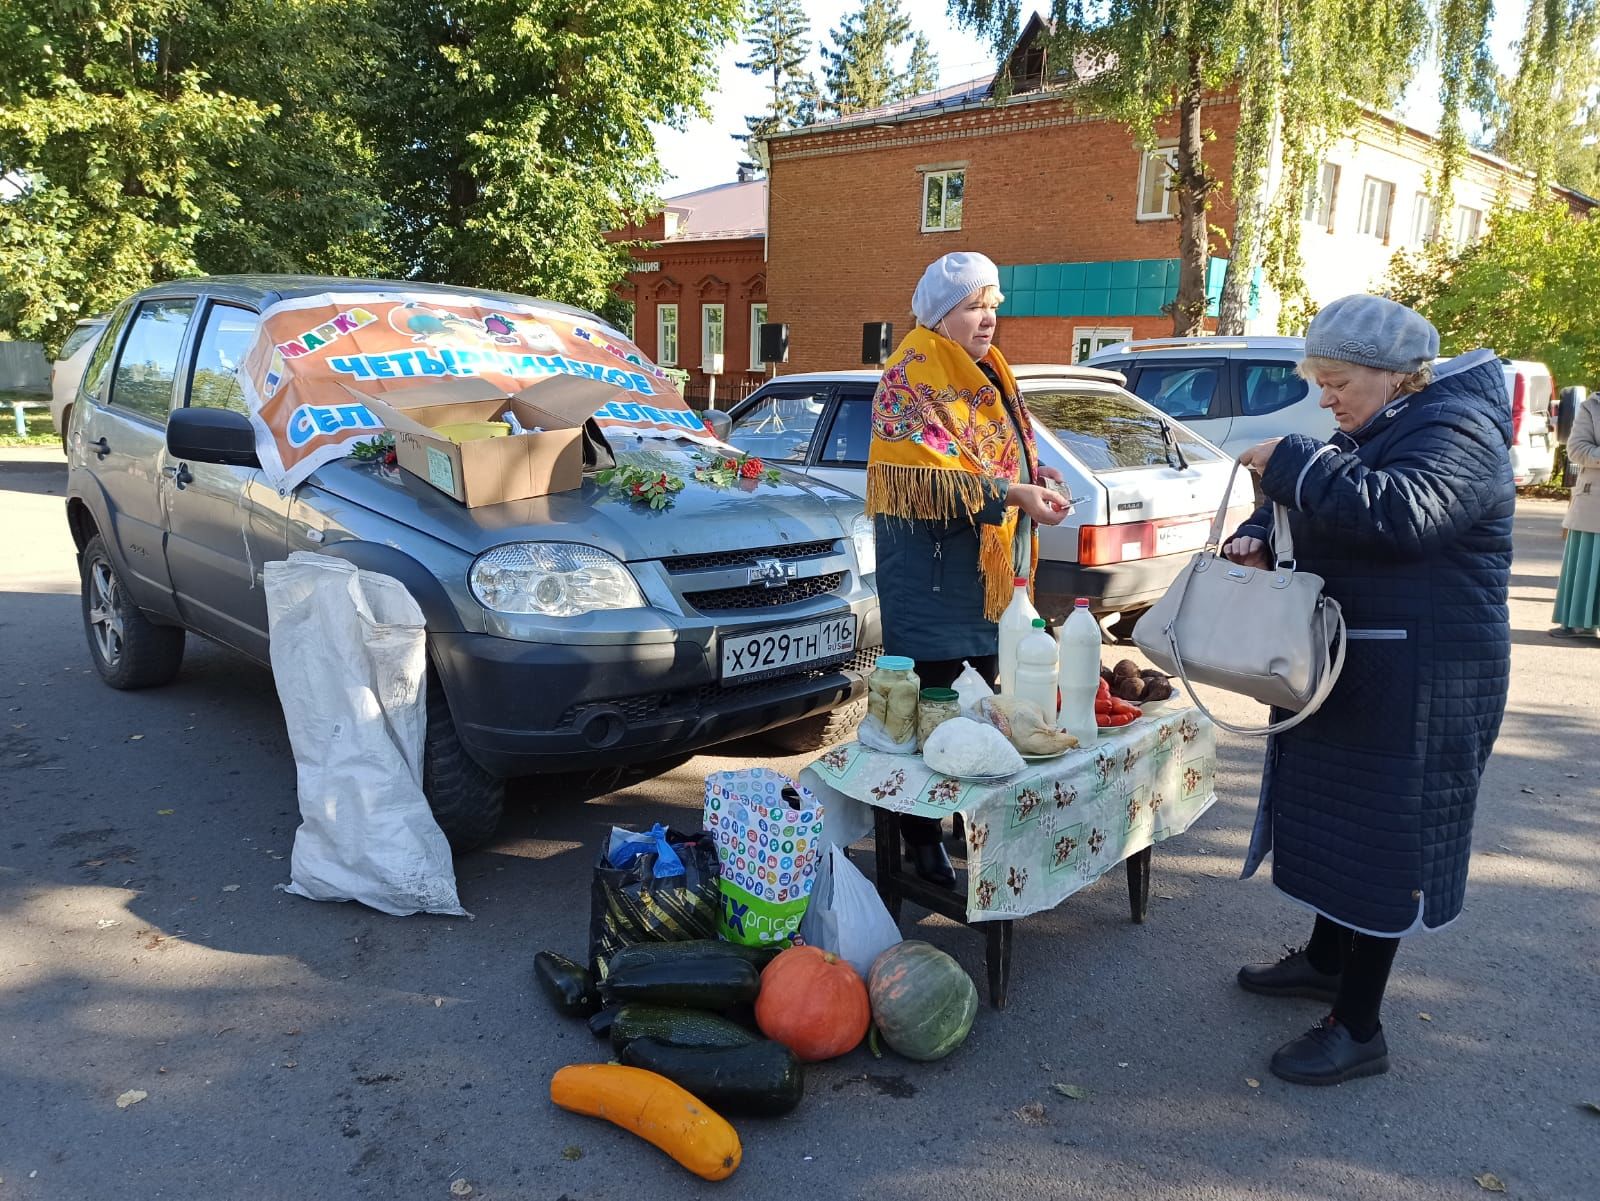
x,y
212,436
721,423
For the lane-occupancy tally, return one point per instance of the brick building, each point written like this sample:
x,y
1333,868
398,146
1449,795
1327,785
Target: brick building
x,y
700,286
1076,214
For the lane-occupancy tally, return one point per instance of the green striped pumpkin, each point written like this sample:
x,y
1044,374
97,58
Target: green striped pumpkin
x,y
922,1000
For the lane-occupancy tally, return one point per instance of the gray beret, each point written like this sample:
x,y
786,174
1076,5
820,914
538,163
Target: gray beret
x,y
1373,332
950,280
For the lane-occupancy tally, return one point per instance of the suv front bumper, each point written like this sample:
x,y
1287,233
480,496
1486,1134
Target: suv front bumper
x,y
521,707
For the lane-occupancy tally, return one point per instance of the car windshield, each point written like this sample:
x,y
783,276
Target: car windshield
x,y
1112,431
780,426
80,337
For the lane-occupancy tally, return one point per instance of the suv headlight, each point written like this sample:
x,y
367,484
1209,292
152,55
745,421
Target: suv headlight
x,y
866,542
553,579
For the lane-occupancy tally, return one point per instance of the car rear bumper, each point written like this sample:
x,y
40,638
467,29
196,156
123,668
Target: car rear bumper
x,y
1117,587
523,708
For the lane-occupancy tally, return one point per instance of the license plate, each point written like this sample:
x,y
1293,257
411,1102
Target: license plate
x,y
774,651
1170,539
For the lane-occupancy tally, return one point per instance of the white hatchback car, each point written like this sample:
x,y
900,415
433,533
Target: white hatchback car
x,y
67,370
1145,488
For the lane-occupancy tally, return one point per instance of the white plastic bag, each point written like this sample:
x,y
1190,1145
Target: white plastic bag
x,y
846,915
872,734
970,689
350,663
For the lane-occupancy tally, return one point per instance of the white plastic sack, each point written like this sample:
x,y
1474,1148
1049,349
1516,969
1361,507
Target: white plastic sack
x,y
846,915
350,662
872,735
970,689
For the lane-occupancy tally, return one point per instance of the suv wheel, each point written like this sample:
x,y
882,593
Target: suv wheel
x,y
129,650
823,730
466,800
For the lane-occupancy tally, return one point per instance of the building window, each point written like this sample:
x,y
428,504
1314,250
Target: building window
x,y
758,318
1156,169
1469,223
941,200
1424,219
1377,201
667,335
711,330
1320,194
1088,342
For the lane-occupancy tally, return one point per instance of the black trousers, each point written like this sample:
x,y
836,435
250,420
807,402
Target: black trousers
x,y
941,673
1363,962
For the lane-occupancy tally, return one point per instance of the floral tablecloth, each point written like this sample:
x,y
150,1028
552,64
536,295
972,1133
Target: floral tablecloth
x,y
1039,836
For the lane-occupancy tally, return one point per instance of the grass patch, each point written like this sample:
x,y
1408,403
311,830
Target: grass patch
x,y
41,430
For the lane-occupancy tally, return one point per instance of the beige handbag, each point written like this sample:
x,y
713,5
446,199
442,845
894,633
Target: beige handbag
x,y
1269,635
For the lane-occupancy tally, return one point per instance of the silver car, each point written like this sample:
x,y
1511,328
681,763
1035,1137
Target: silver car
x,y
731,613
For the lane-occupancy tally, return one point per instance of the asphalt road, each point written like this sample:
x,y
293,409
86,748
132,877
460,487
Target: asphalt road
x,y
291,1049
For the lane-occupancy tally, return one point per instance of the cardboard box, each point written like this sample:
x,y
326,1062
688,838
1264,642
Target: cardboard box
x,y
487,471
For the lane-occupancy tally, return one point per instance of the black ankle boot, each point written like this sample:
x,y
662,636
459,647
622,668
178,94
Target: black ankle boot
x,y
1291,976
1329,1054
931,863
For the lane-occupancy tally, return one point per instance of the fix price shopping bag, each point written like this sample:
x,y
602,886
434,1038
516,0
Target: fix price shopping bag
x,y
768,831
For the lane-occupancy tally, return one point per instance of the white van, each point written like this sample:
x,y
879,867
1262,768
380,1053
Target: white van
x,y
1148,486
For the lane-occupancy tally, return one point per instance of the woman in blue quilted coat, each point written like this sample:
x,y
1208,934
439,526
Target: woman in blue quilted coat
x,y
1366,807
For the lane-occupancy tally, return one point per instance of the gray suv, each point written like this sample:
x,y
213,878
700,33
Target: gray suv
x,y
730,613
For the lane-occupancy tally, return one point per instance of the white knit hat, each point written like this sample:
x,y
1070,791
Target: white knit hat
x,y
950,280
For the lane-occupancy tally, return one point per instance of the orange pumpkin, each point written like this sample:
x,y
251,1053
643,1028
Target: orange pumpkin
x,y
814,1003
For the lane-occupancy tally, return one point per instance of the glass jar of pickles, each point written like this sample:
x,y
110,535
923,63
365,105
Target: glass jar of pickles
x,y
935,706
892,690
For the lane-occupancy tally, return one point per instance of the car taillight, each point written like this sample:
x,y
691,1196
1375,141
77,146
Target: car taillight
x,y
1519,405
1099,545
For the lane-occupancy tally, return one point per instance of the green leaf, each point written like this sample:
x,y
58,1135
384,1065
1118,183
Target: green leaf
x,y
1075,1091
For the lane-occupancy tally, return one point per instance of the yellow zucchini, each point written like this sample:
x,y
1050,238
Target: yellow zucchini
x,y
655,1109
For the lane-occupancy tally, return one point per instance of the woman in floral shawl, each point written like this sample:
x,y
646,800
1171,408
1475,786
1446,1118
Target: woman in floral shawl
x,y
954,486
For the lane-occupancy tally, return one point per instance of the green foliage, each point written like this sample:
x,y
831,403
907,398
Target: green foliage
x,y
514,133
1466,80
1526,289
859,71
779,39
479,142
1547,117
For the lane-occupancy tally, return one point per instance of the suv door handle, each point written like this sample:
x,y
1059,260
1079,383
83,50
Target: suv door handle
x,y
178,473
101,447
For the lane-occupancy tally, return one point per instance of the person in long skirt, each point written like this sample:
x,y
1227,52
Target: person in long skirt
x,y
1577,612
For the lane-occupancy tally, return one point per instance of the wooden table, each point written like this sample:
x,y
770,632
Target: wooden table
x,y
1036,837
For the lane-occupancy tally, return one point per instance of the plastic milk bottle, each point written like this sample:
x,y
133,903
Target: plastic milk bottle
x,y
1079,673
1036,670
1015,624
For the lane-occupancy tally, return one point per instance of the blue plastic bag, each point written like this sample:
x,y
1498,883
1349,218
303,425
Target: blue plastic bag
x,y
626,846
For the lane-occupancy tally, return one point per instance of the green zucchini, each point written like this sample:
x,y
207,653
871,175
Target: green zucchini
x,y
568,985
696,948
763,1079
600,1023
676,1027
711,983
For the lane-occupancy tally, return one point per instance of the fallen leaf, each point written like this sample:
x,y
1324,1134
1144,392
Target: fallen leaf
x,y
1031,1114
136,737
1490,1183
1427,1017
230,888
1591,1106
573,1152
93,863
438,1002
1122,1065
1252,1082
166,813
460,1188
1529,791
132,1097
223,1031
106,923
289,1063
292,1033
1076,1091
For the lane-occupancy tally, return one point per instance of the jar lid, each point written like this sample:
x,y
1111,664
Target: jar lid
x,y
895,663
940,696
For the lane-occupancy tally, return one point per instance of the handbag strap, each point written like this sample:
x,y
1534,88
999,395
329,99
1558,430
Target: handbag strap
x,y
1282,537
1324,685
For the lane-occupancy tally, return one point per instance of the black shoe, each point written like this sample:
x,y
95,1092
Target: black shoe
x,y
1291,976
931,863
1329,1054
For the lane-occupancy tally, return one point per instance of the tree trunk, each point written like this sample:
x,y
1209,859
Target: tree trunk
x,y
1252,150
1192,187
